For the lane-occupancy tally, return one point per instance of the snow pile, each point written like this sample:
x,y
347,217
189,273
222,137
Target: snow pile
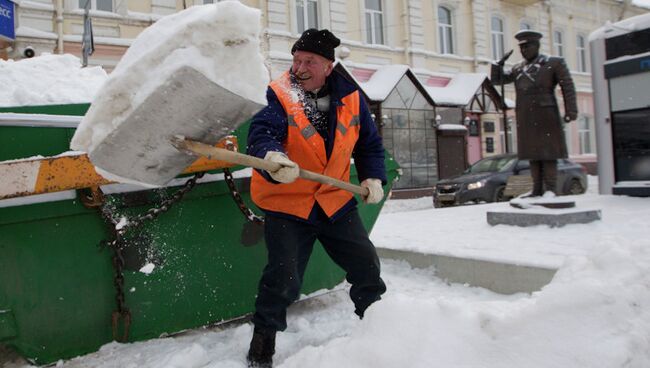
x,y
221,41
48,80
595,313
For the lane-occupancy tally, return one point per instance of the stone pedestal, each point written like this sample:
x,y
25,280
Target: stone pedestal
x,y
543,216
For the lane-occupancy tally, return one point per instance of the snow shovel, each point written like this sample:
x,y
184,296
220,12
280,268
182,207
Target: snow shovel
x,y
202,149
187,104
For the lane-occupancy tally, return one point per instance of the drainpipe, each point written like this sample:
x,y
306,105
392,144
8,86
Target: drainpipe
x,y
407,30
549,10
59,25
473,33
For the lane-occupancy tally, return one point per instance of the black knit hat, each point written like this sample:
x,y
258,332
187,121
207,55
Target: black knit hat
x,y
321,42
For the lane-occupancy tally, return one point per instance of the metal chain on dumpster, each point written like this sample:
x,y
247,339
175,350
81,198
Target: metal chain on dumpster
x,y
248,213
118,243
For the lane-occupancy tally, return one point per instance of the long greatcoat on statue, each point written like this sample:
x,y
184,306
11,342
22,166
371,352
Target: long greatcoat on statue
x,y
540,134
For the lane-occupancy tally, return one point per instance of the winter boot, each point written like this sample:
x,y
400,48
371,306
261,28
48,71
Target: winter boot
x,y
260,353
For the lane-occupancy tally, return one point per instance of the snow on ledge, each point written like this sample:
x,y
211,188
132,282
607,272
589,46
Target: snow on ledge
x,y
451,127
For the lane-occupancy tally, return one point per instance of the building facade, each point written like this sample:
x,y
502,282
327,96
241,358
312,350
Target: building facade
x,y
437,40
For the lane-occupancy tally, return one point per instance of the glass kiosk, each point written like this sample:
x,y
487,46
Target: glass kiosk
x,y
620,57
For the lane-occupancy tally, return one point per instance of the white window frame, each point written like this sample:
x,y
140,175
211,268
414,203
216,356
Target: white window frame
x,y
304,14
93,5
586,134
581,53
370,32
497,38
511,136
558,43
446,31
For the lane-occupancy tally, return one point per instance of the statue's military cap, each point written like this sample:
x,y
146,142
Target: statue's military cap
x,y
526,35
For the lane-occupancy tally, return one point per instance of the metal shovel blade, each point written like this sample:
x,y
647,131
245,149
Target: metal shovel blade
x,y
187,104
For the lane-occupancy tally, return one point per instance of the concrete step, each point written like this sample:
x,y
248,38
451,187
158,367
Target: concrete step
x,y
503,278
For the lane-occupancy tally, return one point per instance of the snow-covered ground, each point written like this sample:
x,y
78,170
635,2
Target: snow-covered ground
x,y
595,312
473,237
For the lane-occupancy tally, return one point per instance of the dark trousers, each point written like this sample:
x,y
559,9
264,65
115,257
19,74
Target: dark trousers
x,y
544,173
290,242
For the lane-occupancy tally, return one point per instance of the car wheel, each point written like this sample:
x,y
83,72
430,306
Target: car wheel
x,y
575,187
499,194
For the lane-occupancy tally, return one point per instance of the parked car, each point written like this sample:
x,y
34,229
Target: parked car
x,y
485,180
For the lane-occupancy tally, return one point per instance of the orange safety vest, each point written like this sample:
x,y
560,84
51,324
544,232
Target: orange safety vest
x,y
306,147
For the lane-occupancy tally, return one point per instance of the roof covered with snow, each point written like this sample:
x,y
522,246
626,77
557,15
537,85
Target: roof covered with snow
x,y
383,81
460,90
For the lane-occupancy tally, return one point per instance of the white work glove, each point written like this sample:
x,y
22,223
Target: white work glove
x,y
375,191
289,170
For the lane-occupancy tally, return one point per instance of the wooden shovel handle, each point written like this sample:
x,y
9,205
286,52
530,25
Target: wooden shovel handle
x,y
221,154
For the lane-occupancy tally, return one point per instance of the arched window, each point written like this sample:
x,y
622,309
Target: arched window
x,y
306,14
445,31
496,28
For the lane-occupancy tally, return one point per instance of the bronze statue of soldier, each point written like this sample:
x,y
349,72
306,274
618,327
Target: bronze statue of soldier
x,y
540,133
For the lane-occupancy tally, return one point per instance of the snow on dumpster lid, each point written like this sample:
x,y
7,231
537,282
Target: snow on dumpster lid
x,y
48,80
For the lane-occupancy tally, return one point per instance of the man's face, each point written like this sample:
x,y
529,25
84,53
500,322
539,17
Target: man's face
x,y
311,69
529,50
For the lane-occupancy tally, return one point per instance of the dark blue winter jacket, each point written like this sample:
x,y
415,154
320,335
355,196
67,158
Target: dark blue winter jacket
x,y
268,130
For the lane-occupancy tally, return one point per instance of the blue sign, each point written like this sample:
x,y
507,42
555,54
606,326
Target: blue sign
x,y
7,14
645,64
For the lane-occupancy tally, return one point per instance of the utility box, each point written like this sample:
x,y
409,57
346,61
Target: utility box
x,y
620,57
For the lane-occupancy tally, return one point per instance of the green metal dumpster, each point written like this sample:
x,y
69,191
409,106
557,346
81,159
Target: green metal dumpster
x,y
195,264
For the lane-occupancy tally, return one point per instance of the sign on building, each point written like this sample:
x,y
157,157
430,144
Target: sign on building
x,y
7,15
